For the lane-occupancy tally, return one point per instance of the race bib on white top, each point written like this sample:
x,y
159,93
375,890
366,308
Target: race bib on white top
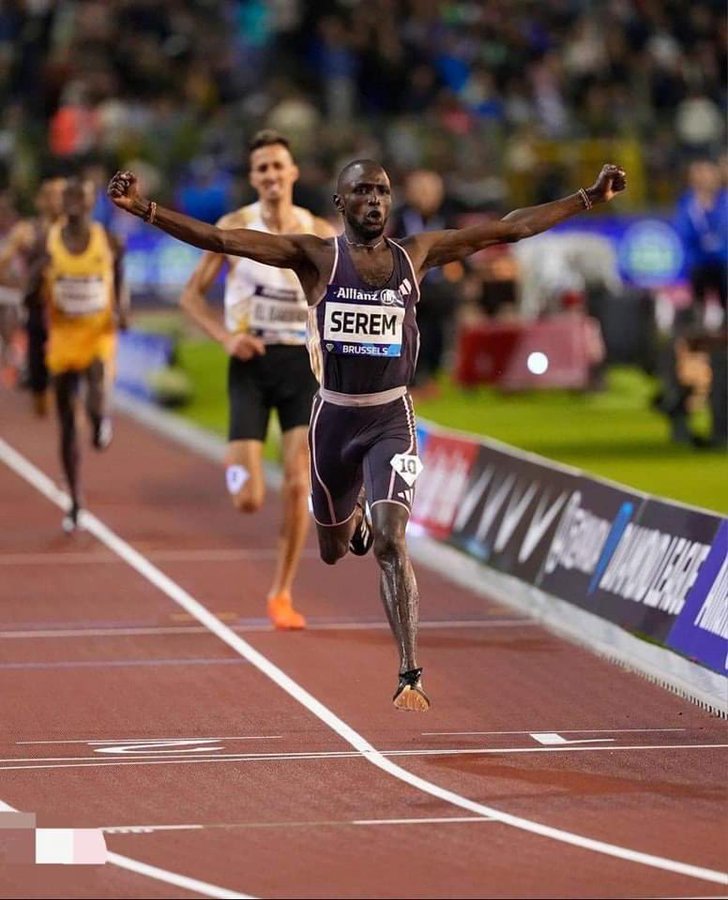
x,y
80,296
264,301
363,329
269,316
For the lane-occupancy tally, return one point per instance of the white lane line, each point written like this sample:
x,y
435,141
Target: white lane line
x,y
155,630
182,881
442,820
151,759
197,556
557,730
313,823
42,483
148,829
154,740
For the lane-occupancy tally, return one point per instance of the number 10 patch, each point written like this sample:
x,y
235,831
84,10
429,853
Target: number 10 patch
x,y
407,466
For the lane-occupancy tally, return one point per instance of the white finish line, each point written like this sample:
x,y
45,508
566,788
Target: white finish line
x,y
44,485
171,757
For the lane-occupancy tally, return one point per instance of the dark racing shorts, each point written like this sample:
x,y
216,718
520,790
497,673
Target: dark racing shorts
x,y
376,445
281,379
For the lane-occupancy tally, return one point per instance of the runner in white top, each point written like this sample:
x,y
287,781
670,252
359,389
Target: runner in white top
x,y
264,334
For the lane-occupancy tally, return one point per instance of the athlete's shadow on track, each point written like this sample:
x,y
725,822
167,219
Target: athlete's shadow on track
x,y
577,783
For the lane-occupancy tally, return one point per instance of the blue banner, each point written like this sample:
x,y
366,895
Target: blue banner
x,y
649,250
701,629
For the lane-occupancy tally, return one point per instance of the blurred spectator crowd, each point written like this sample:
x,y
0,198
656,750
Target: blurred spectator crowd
x,y
511,99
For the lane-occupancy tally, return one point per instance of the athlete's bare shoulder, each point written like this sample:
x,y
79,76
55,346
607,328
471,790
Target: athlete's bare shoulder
x,y
238,218
323,228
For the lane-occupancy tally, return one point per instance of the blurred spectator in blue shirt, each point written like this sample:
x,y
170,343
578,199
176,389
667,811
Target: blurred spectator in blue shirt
x,y
702,223
207,193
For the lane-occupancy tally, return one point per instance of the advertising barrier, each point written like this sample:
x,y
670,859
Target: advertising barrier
x,y
656,569
700,631
139,355
591,528
648,575
509,510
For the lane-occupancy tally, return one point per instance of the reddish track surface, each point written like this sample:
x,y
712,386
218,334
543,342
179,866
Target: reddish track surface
x,y
91,651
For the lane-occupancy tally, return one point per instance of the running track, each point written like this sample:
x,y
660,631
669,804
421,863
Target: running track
x,y
142,692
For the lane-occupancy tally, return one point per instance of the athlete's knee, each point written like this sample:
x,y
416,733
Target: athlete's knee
x,y
389,544
247,494
331,553
331,550
296,489
247,501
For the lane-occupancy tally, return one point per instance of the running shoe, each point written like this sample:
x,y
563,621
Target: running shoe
x,y
103,433
362,539
409,695
283,615
70,521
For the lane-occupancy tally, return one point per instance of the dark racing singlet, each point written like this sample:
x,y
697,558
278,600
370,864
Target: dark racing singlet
x,y
364,339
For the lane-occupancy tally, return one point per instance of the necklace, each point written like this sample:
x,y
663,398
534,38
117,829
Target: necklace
x,y
368,246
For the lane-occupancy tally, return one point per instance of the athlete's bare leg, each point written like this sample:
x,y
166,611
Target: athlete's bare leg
x,y
246,484
245,476
397,584
66,390
398,590
295,523
9,322
37,371
97,394
397,587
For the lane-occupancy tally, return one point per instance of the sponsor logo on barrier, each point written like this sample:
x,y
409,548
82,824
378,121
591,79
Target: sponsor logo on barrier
x,y
701,629
590,531
648,578
584,541
509,510
447,461
654,567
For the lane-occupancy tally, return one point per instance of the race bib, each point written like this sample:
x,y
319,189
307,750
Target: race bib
x,y
408,466
277,316
80,296
364,329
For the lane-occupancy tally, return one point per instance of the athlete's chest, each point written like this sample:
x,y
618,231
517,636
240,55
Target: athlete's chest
x,y
375,270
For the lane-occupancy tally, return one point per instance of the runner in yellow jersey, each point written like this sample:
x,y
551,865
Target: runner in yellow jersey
x,y
79,277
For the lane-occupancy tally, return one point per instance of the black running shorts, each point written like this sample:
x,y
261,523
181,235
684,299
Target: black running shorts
x,y
281,379
351,444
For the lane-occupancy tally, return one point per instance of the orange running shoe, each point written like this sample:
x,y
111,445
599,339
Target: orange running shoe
x,y
282,614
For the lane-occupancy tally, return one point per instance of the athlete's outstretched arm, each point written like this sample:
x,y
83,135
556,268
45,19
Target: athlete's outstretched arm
x,y
435,248
284,251
122,300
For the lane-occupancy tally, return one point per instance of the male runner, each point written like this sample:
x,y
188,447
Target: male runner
x,y
77,276
264,334
14,271
362,289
